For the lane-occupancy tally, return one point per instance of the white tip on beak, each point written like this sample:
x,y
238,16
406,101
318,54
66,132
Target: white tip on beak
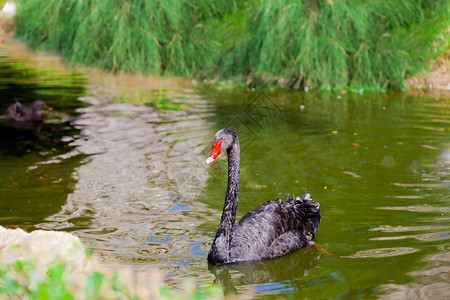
x,y
209,160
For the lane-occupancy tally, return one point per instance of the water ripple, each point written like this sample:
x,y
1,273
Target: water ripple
x,y
382,252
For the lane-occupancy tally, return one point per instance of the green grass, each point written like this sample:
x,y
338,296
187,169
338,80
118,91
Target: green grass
x,y
55,265
319,44
22,278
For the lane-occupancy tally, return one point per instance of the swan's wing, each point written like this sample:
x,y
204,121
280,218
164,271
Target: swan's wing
x,y
274,229
18,111
286,243
254,234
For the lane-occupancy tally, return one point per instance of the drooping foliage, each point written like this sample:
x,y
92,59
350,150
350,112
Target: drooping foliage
x,y
147,36
307,43
328,44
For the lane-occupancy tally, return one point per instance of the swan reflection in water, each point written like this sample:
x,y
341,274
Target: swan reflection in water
x,y
283,274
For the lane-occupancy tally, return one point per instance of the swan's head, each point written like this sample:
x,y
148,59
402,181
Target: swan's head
x,y
223,140
39,104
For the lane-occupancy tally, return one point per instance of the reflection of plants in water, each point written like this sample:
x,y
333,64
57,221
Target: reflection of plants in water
x,y
260,114
27,80
166,103
263,110
161,99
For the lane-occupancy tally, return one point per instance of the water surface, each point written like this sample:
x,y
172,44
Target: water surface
x,y
35,159
378,163
130,181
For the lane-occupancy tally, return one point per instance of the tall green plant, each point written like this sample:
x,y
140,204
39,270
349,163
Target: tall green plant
x,y
148,36
333,44
325,44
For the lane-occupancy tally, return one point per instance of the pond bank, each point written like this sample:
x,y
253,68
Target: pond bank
x,y
55,265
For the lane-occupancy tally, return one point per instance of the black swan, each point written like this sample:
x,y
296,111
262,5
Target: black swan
x,y
274,229
20,113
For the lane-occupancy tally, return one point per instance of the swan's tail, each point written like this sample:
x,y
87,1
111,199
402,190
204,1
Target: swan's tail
x,y
297,200
308,210
307,196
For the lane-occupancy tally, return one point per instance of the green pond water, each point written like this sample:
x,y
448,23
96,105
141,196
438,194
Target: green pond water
x,y
131,182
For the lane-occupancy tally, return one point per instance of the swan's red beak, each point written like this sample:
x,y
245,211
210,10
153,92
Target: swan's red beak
x,y
216,150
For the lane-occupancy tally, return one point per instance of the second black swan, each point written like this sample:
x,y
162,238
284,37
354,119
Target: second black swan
x,y
274,229
20,113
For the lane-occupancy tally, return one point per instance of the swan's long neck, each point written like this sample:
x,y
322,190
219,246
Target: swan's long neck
x,y
221,245
232,195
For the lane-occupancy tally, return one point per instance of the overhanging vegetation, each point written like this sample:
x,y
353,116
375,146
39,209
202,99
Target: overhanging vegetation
x,y
321,44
